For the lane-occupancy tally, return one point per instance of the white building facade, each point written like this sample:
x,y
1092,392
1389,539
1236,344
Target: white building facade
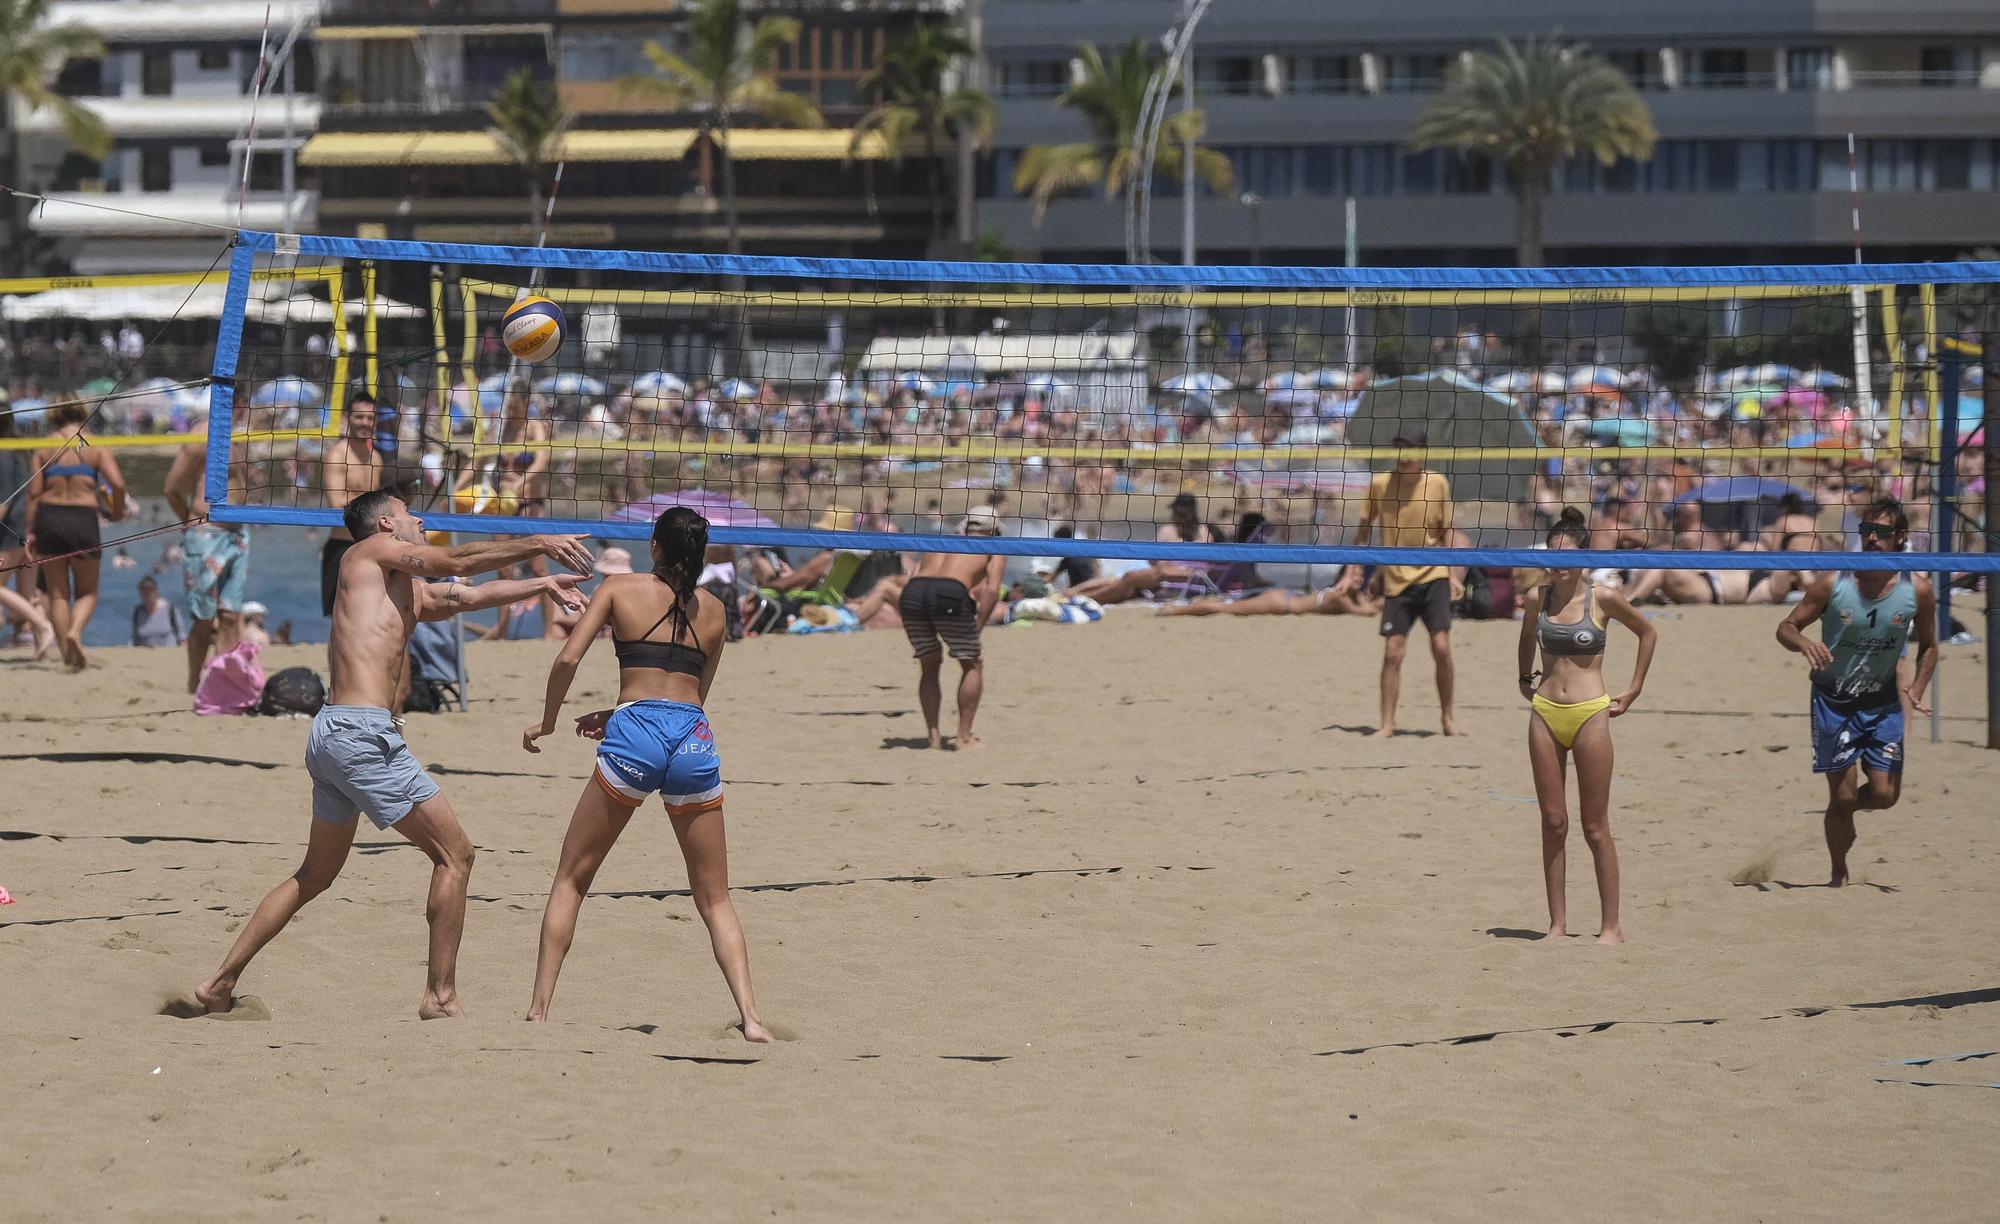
x,y
175,89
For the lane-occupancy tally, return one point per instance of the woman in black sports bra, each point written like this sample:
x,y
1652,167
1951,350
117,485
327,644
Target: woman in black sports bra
x,y
668,635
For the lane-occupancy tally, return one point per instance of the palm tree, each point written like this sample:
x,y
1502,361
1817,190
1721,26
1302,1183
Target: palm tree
x,y
908,103
1109,97
1532,107
725,74
32,56
528,119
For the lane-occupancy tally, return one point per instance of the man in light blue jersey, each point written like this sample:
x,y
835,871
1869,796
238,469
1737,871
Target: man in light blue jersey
x,y
1866,620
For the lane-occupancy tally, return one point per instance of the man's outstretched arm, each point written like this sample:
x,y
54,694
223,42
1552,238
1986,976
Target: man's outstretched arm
x,y
477,557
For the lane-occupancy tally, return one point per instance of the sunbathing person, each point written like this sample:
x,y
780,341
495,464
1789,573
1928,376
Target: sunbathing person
x,y
1328,601
1184,525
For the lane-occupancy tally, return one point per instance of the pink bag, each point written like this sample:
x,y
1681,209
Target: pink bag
x,y
231,682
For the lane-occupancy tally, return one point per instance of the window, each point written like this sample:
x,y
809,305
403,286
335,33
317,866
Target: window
x,y
1038,78
1809,68
1950,166
1324,74
1323,170
1229,75
215,153
1948,66
156,73
1721,165
1413,73
81,78
1642,68
156,169
1720,68
213,59
604,55
267,171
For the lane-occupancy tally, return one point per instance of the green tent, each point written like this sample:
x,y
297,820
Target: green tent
x,y
1455,412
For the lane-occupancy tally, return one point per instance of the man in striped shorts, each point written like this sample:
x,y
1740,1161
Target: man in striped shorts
x,y
943,607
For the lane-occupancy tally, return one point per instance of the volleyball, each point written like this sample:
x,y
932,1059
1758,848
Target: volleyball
x,y
533,328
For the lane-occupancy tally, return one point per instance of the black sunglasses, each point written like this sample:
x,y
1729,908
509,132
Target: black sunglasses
x,y
1877,530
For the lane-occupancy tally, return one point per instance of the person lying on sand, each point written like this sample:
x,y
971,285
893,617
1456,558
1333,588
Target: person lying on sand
x,y
1328,601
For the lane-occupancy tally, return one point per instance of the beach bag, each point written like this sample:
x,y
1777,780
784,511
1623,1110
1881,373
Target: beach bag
x,y
231,682
295,690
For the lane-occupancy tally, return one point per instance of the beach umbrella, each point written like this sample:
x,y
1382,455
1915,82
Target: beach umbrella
x,y
1201,380
1727,490
97,386
1331,378
569,382
289,391
914,380
1594,376
658,382
1049,387
720,509
1289,380
1822,380
737,389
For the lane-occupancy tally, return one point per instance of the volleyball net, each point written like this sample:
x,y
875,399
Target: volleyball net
x,y
1696,415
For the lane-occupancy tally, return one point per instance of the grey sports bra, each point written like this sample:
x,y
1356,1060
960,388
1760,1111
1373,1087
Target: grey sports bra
x,y
1580,639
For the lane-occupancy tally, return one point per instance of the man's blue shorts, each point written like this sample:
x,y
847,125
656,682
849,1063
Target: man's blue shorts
x,y
663,746
1869,733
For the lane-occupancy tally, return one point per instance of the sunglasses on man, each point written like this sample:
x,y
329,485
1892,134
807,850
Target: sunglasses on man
x,y
1878,531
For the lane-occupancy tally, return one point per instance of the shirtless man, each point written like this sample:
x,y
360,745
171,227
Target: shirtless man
x,y
357,758
351,468
215,558
943,606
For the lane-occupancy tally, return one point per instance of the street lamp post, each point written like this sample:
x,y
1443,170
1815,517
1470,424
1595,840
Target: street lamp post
x,y
1255,203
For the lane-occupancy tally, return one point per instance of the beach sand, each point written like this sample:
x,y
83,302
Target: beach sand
x,y
1179,943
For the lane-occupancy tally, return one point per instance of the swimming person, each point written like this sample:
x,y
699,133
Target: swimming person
x,y
943,606
355,752
1866,621
1568,619
668,635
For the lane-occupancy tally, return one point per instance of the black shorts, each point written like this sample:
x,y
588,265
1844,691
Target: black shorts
x,y
1429,602
329,572
62,530
940,614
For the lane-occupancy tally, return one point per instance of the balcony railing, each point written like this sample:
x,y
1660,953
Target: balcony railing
x,y
435,12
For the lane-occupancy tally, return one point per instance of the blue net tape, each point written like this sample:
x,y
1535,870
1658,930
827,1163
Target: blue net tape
x,y
1151,550
1123,276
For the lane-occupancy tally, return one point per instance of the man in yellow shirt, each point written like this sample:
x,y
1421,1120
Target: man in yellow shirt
x,y
1413,507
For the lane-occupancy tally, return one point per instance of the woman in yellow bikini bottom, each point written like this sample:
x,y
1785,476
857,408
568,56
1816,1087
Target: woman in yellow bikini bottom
x,y
1569,622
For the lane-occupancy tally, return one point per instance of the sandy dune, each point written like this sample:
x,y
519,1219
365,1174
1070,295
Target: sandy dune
x,y
1178,944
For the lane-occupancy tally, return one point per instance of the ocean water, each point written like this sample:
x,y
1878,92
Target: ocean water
x,y
284,577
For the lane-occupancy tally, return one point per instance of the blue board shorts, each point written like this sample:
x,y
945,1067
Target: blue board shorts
x,y
663,746
215,564
1844,733
359,763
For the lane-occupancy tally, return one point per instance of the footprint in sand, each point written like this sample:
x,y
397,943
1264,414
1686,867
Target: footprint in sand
x,y
184,1007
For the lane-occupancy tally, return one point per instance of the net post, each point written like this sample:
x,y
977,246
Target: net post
x,y
222,385
440,354
468,355
336,395
1892,344
368,326
1944,531
1989,424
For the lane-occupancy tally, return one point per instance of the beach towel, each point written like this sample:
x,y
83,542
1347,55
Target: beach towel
x,y
231,682
838,620
1069,610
